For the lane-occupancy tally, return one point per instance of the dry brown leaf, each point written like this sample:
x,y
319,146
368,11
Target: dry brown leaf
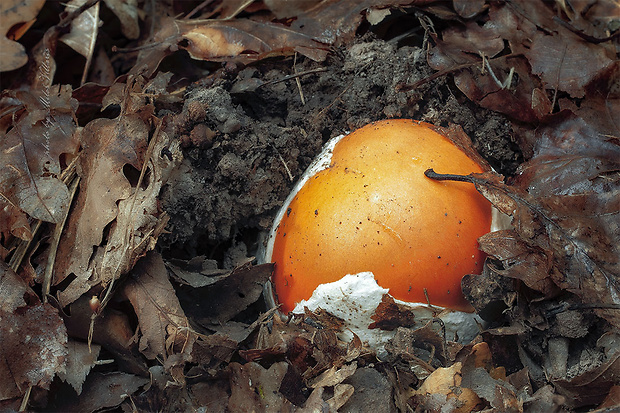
x,y
333,376
240,40
33,339
103,391
164,327
566,62
83,34
389,315
81,358
108,145
12,54
334,22
468,8
254,388
519,260
574,178
443,387
127,13
43,130
107,198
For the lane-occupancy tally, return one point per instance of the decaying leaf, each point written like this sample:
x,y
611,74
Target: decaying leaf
x,y
222,300
566,62
80,360
12,54
442,388
33,339
231,40
254,388
103,391
110,204
83,34
389,315
164,327
31,144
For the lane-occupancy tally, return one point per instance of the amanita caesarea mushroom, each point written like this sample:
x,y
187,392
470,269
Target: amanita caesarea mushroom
x,y
365,220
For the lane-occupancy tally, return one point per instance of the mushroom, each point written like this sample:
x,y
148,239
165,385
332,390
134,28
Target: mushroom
x,y
365,205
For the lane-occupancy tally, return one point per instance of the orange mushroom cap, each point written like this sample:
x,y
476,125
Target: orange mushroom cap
x,y
373,209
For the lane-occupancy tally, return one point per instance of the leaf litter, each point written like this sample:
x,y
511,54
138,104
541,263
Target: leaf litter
x,y
179,162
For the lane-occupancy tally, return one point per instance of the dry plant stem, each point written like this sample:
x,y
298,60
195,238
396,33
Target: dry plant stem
x,y
49,269
241,7
24,405
436,75
294,76
91,46
301,92
583,35
22,248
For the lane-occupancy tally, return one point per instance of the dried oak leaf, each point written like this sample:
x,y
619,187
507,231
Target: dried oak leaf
x,y
103,391
165,328
108,146
117,217
31,144
566,62
240,40
12,54
565,202
84,28
219,302
33,339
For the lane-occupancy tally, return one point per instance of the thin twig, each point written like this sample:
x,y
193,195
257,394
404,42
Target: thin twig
x,y
583,35
406,88
293,76
301,92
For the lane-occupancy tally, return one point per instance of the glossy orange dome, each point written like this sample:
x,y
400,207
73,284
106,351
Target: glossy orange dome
x,y
374,210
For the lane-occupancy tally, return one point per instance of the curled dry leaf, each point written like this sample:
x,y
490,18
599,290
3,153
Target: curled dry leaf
x,y
12,54
519,260
108,199
31,144
83,34
230,40
163,324
565,205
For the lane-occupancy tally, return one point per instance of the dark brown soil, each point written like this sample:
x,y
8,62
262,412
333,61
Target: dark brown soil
x,y
248,137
